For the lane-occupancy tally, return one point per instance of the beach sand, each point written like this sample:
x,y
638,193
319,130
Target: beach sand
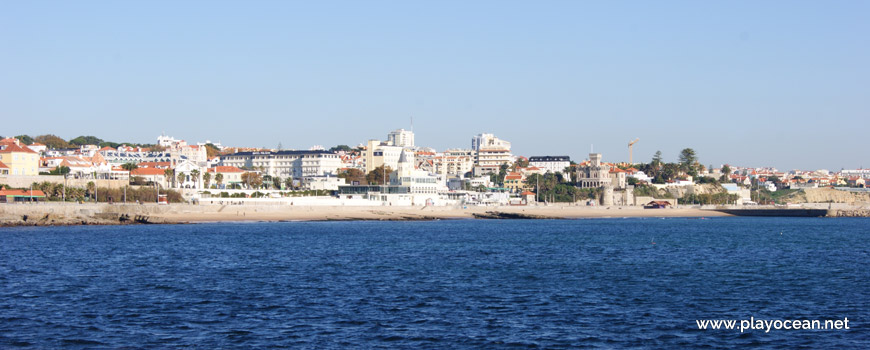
x,y
321,213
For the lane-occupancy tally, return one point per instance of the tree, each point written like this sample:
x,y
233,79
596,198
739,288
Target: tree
x,y
726,172
353,175
338,148
520,163
169,174
288,183
130,166
206,179
51,141
25,139
211,150
195,175
61,170
219,179
379,175
657,158
689,161
86,140
180,178
276,182
252,179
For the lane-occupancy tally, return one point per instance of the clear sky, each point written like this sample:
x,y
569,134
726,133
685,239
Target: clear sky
x,y
753,83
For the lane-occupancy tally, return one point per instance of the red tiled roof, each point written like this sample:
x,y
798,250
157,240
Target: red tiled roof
x,y
527,193
148,171
225,169
3,165
154,164
10,147
35,193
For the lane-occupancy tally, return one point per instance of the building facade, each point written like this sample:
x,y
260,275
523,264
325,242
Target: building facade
x,y
553,164
18,158
593,174
284,164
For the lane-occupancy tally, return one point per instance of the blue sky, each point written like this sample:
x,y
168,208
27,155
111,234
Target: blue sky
x,y
781,83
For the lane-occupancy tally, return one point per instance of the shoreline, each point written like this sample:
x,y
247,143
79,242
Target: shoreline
x,y
66,214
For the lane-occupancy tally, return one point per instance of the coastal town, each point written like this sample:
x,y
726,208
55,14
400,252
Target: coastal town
x,y
393,171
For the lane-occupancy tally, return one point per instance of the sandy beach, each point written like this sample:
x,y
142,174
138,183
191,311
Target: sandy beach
x,y
46,214
319,213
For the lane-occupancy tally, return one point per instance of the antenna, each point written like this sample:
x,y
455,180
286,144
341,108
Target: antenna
x,y
412,123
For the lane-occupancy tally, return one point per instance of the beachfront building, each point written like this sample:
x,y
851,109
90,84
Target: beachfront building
x,y
152,175
229,175
490,153
380,153
122,155
408,186
553,164
284,164
515,182
18,158
453,162
594,173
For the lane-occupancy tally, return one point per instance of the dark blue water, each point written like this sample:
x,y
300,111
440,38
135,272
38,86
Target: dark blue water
x,y
597,283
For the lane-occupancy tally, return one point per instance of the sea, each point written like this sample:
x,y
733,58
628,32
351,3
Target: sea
x,y
450,284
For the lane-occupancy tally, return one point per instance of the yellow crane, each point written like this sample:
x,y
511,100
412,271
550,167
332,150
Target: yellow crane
x,y
630,147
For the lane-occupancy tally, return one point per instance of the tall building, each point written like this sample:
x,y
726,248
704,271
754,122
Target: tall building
x,y
490,153
401,138
381,153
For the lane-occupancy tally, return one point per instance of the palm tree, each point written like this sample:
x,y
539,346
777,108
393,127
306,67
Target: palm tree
x,y
206,179
181,178
219,179
129,166
169,174
195,174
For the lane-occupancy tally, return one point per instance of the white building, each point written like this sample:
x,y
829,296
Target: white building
x,y
284,164
418,181
490,153
401,138
553,164
453,162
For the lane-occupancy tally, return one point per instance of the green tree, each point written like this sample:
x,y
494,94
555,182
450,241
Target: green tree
x,y
206,179
288,183
726,173
169,174
689,162
86,140
657,158
338,148
379,175
130,166
25,139
181,177
219,179
194,174
276,182
61,170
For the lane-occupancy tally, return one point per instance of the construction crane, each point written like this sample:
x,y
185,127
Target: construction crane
x,y
630,147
